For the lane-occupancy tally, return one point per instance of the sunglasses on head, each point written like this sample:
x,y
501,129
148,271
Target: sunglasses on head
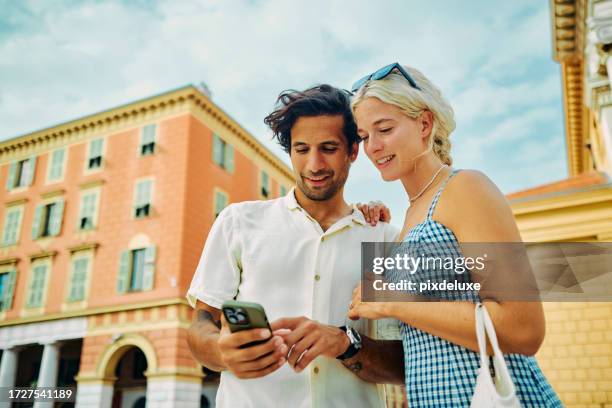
x,y
382,73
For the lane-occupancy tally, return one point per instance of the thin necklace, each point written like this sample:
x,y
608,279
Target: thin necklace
x,y
428,184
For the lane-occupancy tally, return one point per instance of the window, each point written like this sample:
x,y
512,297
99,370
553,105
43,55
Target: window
x,y
136,270
223,153
7,286
12,224
87,214
78,279
142,198
147,140
95,154
265,184
56,165
21,173
37,286
283,191
221,202
48,219
136,276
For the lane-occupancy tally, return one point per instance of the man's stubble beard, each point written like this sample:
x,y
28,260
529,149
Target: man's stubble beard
x,y
330,192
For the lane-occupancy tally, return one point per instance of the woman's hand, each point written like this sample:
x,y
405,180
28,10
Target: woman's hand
x,y
366,310
375,211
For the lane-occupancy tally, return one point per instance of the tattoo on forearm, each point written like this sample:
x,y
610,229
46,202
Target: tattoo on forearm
x,y
205,315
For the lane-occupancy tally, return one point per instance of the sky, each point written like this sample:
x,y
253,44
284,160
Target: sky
x,y
63,59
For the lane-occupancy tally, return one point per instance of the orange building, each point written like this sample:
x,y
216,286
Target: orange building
x,y
102,223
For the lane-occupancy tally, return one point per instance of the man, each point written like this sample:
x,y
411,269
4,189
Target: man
x,y
299,256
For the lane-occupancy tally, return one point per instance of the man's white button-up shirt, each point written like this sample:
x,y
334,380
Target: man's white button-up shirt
x,y
274,253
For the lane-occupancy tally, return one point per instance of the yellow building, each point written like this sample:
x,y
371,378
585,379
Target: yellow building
x,y
576,356
577,352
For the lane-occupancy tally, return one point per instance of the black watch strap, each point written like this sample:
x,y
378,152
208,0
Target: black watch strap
x,y
354,340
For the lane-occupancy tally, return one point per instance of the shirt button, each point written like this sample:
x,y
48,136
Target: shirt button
x,y
317,277
316,370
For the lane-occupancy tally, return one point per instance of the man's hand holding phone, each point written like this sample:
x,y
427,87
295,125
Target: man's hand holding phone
x,y
252,361
247,346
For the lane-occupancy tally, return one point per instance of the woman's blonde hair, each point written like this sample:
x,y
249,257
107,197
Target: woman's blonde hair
x,y
396,90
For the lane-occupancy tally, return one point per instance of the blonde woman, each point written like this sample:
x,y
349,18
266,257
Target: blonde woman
x,y
405,124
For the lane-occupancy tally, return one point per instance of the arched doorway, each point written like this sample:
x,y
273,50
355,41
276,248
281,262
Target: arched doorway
x,y
131,384
126,363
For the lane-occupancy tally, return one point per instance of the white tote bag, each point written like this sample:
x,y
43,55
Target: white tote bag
x,y
487,393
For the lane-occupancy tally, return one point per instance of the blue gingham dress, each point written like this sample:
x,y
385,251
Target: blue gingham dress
x,y
439,373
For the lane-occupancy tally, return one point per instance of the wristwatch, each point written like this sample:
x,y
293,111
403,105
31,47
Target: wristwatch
x,y
355,343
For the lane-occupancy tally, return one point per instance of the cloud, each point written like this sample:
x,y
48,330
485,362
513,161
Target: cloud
x,y
486,99
65,59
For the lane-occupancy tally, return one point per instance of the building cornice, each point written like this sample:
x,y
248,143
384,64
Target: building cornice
x,y
42,254
568,18
87,124
115,119
576,216
88,246
575,112
9,261
93,311
568,22
555,201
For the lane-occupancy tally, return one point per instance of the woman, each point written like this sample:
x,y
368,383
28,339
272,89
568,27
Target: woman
x,y
405,124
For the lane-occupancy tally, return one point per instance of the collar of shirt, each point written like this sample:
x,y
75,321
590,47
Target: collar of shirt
x,y
356,216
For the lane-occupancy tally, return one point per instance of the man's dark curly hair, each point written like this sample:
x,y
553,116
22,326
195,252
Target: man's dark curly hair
x,y
320,100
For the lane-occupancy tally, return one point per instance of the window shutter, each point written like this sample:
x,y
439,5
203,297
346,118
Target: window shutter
x,y
148,134
31,302
7,296
265,184
72,294
217,149
7,236
11,226
31,169
81,279
148,275
146,193
82,210
36,222
141,194
77,280
229,158
88,210
36,286
10,181
220,202
96,148
91,206
57,161
143,198
57,213
123,279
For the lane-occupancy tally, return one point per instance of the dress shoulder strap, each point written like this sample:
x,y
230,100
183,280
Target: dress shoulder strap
x,y
434,202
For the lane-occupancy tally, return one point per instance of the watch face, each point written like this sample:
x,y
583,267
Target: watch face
x,y
354,337
355,343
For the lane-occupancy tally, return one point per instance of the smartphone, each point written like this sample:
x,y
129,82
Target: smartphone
x,y
245,315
